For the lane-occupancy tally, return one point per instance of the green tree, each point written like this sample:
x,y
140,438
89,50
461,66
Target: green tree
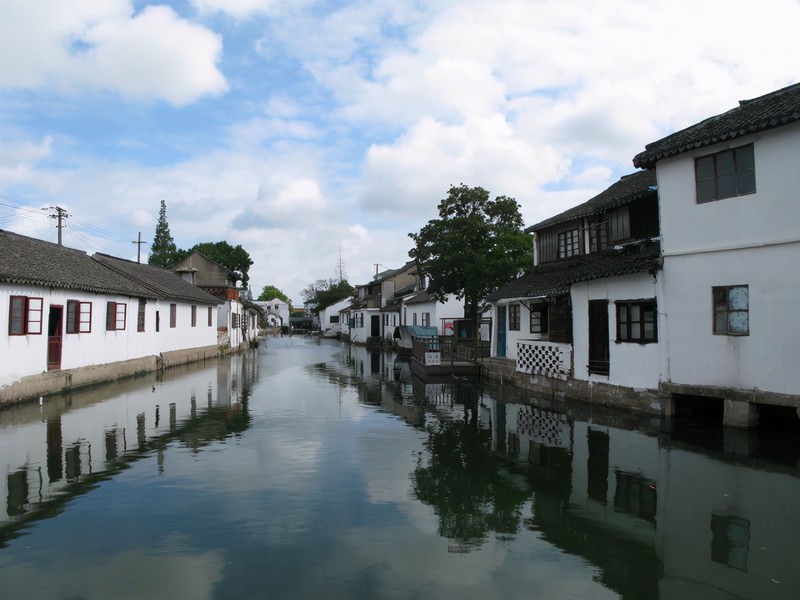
x,y
270,292
327,292
236,259
338,291
474,247
163,252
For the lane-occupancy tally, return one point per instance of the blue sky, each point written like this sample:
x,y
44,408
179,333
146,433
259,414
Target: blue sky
x,y
303,129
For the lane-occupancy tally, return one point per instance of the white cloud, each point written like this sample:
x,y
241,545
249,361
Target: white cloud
x,y
346,128
154,54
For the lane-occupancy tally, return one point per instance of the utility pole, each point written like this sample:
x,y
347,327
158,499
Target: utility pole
x,y
61,214
138,248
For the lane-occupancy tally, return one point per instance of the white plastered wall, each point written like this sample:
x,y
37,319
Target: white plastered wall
x,y
631,364
748,240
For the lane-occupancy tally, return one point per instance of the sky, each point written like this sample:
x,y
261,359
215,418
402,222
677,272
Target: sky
x,y
321,133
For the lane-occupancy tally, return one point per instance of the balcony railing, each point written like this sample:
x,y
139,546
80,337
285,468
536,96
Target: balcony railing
x,y
550,359
449,349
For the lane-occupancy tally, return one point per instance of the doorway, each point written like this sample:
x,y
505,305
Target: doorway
x,y
598,337
54,337
501,331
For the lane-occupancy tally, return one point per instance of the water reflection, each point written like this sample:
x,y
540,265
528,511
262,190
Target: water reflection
x,y
341,475
659,515
68,444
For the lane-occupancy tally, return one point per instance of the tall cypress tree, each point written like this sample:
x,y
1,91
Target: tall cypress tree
x,y
163,251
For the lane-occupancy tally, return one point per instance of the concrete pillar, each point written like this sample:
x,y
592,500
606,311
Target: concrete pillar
x,y
740,413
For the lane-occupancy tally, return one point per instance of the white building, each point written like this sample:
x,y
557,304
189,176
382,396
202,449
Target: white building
x,y
330,320
585,317
376,303
684,297
424,310
728,189
237,317
73,320
276,311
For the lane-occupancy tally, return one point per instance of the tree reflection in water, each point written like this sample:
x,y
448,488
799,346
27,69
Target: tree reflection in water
x,y
466,484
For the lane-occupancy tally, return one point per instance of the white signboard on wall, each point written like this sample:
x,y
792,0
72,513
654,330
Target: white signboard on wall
x,y
433,358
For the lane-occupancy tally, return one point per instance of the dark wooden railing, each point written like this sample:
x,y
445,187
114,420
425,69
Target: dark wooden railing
x,y
452,349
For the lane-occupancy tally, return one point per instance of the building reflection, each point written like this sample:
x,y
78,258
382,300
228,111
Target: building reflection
x,y
54,451
668,515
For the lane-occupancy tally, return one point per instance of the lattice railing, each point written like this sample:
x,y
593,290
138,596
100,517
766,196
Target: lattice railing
x,y
544,358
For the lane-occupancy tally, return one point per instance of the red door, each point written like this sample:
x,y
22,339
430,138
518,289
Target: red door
x,y
54,338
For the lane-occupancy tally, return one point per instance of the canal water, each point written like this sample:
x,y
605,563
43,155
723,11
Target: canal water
x,y
315,469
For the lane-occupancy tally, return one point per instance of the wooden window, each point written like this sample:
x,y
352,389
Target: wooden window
x,y
513,317
414,318
426,319
25,315
140,314
79,317
235,320
637,321
598,236
725,174
538,319
569,243
173,315
158,321
16,315
194,316
731,310
210,316
116,313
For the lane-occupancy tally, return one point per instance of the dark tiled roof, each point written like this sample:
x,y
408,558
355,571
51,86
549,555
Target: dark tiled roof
x,y
384,275
627,189
423,296
28,261
554,279
751,116
251,305
163,283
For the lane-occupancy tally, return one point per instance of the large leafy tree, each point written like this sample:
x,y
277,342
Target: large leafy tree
x,y
270,292
474,247
236,259
163,252
327,292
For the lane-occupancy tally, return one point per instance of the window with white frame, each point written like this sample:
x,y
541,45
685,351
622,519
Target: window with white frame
x,y
569,243
116,313
25,315
731,310
79,317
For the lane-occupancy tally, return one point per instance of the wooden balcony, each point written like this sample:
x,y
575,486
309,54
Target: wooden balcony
x,y
446,356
